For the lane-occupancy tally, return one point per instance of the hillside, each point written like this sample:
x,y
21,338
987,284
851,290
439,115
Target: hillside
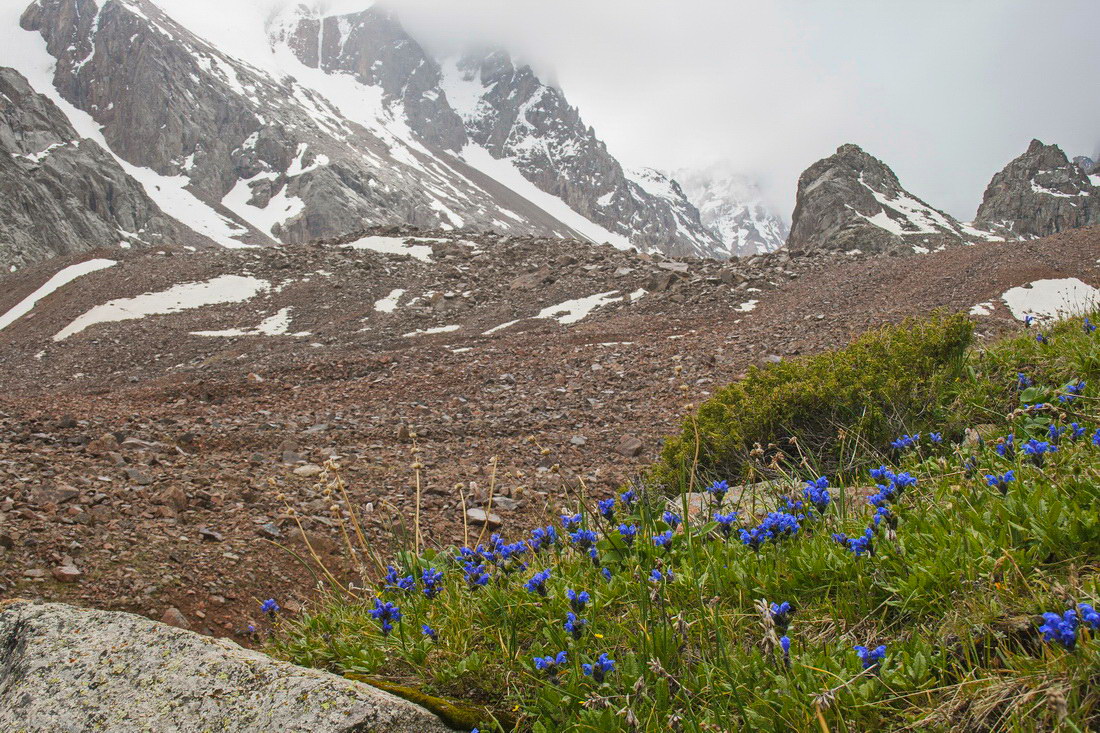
x,y
157,468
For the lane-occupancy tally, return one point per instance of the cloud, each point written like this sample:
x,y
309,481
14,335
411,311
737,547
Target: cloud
x,y
944,91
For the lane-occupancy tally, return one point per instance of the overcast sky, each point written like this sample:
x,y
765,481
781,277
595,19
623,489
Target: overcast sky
x,y
944,91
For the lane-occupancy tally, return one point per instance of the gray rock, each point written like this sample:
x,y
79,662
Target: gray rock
x,y
629,446
64,668
309,470
63,194
1038,194
480,516
852,200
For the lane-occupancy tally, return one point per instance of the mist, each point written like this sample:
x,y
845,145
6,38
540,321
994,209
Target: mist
x,y
945,92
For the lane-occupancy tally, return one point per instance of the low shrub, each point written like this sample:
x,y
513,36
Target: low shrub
x,y
823,409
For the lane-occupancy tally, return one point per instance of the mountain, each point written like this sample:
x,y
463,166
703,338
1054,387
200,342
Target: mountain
x,y
853,201
1087,165
64,194
731,206
1040,193
314,126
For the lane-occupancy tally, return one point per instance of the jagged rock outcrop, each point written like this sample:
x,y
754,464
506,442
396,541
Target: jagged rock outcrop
x,y
1087,165
1038,194
66,668
62,194
852,200
731,206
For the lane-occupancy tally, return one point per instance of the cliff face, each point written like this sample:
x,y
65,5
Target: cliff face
x,y
1040,193
63,194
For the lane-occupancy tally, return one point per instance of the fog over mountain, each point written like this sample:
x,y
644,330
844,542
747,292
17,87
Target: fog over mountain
x,y
946,91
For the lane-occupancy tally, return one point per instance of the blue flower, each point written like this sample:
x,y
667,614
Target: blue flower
x,y
550,664
1041,338
628,498
594,554
903,480
905,441
583,538
785,642
1089,615
656,576
718,490
1028,320
1038,449
385,613
543,537
1001,482
600,669
1023,381
577,601
1055,432
537,583
476,576
570,522
817,493
936,437
628,532
574,625
882,473
781,615
606,574
725,523
1060,629
269,606
663,539
1006,446
1096,438
607,509
871,657
1089,327
1072,391
858,546
672,520
774,527
429,632
432,580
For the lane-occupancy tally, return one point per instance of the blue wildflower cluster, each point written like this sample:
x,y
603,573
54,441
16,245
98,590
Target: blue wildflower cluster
x,y
1072,391
543,538
817,494
551,664
385,613
537,583
1001,482
1062,629
774,527
599,669
1038,450
269,607
905,442
718,491
628,532
871,657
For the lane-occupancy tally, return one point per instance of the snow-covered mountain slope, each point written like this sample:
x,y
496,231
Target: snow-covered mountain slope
x,y
272,123
731,205
516,117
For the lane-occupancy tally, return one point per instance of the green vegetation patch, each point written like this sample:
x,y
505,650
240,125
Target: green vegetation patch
x,y
908,592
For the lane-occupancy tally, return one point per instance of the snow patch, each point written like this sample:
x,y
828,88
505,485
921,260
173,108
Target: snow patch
x,y
59,280
216,291
747,306
276,325
982,309
389,303
395,246
429,331
577,309
1052,299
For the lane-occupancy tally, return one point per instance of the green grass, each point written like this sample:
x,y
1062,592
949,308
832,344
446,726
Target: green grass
x,y
954,592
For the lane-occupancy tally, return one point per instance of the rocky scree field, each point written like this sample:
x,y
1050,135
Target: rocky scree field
x,y
156,480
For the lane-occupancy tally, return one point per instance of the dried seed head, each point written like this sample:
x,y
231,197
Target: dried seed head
x,y
417,466
545,451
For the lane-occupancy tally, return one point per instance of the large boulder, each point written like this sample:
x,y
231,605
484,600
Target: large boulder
x,y
1038,194
72,669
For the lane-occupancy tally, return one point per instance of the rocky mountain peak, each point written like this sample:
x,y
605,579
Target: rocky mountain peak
x,y
1039,193
852,200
